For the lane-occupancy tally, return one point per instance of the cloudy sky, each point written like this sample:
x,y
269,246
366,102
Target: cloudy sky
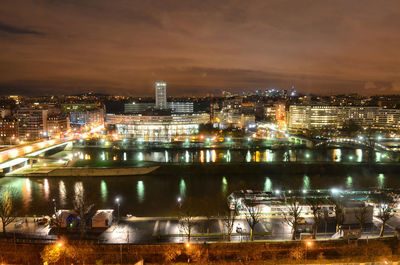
x,y
123,46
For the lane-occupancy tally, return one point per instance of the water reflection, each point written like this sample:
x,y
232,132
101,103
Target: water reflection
x,y
62,193
187,156
359,154
140,191
228,156
224,186
306,183
213,156
103,190
208,156
248,156
46,189
337,155
27,193
166,156
182,188
268,184
140,156
269,155
79,191
349,182
381,181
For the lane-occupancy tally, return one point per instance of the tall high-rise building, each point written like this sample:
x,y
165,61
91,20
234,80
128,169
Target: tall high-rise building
x,y
161,95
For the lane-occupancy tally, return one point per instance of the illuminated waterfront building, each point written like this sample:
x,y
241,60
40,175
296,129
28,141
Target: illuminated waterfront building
x,y
326,116
155,128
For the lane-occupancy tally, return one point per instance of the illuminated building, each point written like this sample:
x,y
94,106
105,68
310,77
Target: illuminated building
x,y
181,107
8,130
280,112
175,107
325,116
225,119
57,124
137,107
84,114
155,128
161,95
32,123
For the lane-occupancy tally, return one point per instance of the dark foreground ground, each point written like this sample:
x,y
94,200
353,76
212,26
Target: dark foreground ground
x,y
298,252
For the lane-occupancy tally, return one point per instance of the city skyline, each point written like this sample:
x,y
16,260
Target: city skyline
x,y
56,47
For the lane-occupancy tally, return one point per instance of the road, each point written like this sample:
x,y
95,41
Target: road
x,y
146,230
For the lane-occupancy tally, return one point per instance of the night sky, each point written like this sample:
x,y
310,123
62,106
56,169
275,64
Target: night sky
x,y
198,47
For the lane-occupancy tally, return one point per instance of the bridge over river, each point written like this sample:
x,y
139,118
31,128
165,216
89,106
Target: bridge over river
x,y
15,157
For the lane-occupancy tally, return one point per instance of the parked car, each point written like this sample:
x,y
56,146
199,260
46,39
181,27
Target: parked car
x,y
43,221
18,223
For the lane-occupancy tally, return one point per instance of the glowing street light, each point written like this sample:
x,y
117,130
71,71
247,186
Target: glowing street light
x,y
117,200
308,245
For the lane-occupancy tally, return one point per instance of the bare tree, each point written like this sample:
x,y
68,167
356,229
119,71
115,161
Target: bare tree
x,y
56,222
385,213
292,215
230,218
186,218
82,207
7,209
338,211
208,209
317,212
253,217
361,214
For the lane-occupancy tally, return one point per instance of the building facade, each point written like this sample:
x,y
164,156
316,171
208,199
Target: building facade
x,y
161,95
57,125
32,123
154,128
326,116
174,106
8,130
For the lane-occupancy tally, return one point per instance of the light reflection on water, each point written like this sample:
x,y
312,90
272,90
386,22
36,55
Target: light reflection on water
x,y
140,191
156,195
127,157
268,184
104,191
62,193
306,183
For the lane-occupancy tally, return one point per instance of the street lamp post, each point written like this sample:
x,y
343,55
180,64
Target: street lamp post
x,y
118,204
55,206
308,244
